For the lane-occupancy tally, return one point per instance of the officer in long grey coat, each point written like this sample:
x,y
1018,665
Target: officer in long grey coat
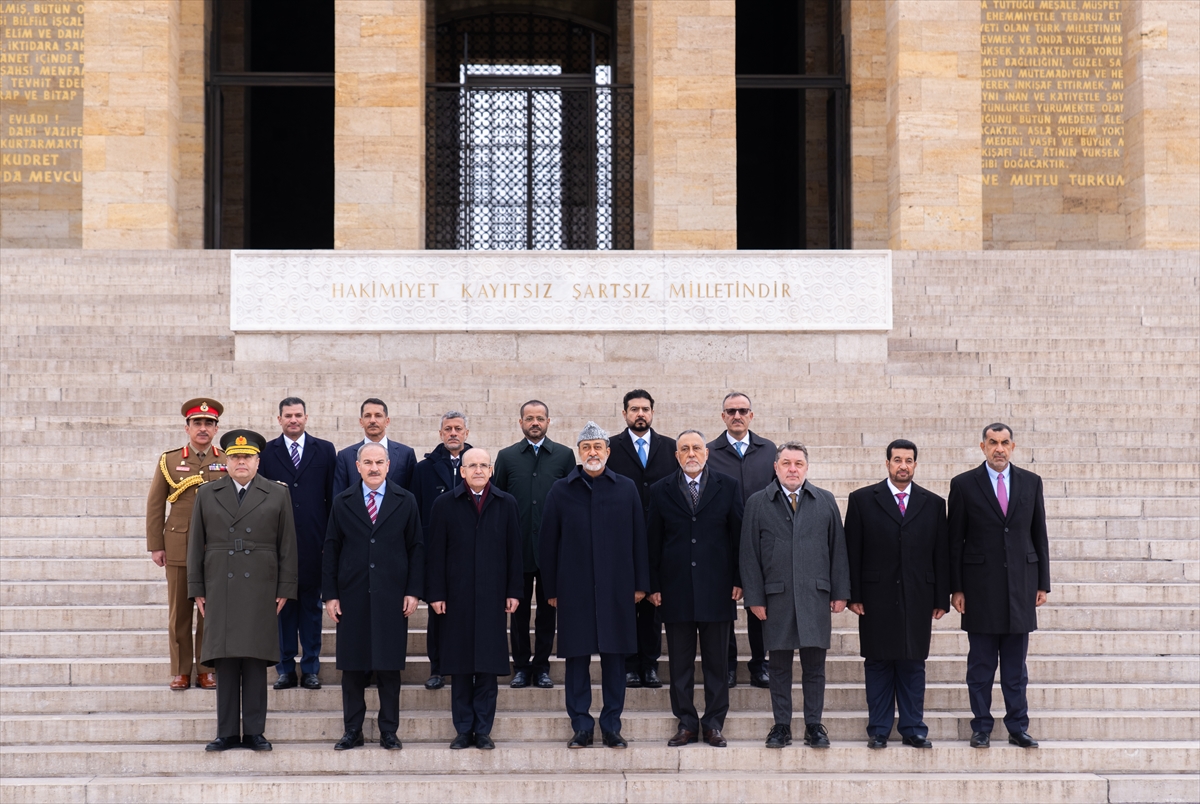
x,y
795,574
242,568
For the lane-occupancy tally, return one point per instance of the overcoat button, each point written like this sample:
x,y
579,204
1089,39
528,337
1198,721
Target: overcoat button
x,y
231,530
372,566
372,541
693,541
693,563
247,575
247,530
247,552
231,575
230,552
297,485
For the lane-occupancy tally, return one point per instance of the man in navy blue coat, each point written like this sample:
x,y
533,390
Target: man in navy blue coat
x,y
303,463
374,420
434,476
593,560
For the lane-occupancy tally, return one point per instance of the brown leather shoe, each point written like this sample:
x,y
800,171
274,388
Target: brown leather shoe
x,y
206,681
682,737
181,682
714,738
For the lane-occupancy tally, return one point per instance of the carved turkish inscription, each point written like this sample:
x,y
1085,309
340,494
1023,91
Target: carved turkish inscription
x,y
41,114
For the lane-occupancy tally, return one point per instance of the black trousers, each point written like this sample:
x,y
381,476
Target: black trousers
x,y
301,617
433,641
579,692
241,696
681,656
473,702
649,640
543,629
812,684
984,653
758,655
354,702
895,684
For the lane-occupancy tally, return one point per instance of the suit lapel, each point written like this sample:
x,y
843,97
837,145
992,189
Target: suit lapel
x,y
625,441
285,457
227,497
306,457
255,494
985,485
916,499
676,493
1015,489
388,506
710,490
358,504
883,496
656,443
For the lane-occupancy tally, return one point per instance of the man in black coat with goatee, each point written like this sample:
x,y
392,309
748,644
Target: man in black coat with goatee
x,y
474,574
644,456
999,575
899,584
433,477
374,571
694,538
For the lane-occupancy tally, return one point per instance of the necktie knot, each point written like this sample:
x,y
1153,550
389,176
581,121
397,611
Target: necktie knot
x,y
741,449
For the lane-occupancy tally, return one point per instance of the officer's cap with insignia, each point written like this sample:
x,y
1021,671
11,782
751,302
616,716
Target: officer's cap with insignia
x,y
202,408
243,442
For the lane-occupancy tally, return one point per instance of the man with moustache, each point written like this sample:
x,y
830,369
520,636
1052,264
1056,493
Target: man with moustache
x,y
999,576
645,457
241,571
474,576
374,420
694,532
899,583
177,476
303,463
795,576
373,574
434,476
527,470
593,559
743,454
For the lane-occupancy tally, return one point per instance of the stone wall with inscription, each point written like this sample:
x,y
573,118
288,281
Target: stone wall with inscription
x,y
41,114
1053,108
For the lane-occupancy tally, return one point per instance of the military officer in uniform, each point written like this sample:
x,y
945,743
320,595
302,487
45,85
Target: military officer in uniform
x,y
177,476
241,569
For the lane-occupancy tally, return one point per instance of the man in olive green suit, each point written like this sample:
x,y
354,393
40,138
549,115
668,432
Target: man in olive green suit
x,y
241,570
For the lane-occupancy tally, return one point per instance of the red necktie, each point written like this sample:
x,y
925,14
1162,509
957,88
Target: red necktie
x,y
900,495
372,511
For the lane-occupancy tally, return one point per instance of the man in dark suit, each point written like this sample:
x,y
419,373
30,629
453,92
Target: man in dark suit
x,y
644,456
999,575
527,470
899,584
434,476
373,575
303,463
743,454
374,420
694,535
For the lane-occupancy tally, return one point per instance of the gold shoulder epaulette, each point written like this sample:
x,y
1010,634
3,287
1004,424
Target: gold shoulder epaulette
x,y
180,487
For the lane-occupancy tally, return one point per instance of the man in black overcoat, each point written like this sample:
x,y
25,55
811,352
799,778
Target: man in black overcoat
x,y
433,477
474,573
999,575
645,456
374,572
746,456
593,560
694,535
305,464
899,584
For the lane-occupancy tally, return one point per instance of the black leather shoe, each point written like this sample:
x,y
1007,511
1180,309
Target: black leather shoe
x,y
389,740
310,681
875,741
918,742
543,681
760,680
351,739
731,679
1022,739
815,736
683,737
256,742
435,683
650,679
613,739
980,739
484,742
582,739
632,680
779,736
520,679
286,681
463,741
224,744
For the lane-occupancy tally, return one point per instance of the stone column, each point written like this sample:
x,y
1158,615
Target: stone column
x,y
934,125
689,114
379,124
865,22
1162,123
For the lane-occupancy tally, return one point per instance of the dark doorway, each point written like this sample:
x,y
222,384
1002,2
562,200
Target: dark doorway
x,y
270,107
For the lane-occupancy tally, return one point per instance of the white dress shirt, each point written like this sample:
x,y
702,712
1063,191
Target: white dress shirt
x,y
907,492
366,491
299,442
634,438
993,474
744,441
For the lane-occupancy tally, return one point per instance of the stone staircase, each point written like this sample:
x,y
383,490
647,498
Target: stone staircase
x,y
1092,357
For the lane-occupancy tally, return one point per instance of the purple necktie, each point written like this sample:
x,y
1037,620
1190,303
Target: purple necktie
x,y
900,495
295,455
372,511
1002,494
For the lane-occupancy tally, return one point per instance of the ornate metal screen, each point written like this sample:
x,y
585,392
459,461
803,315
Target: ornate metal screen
x,y
529,143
